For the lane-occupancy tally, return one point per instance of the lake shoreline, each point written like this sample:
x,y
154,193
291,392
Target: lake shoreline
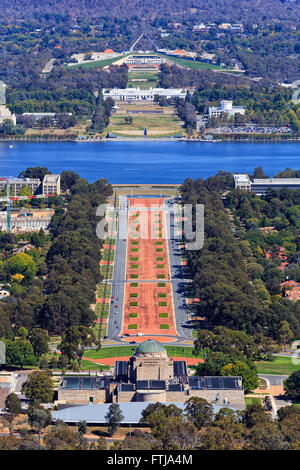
x,y
148,139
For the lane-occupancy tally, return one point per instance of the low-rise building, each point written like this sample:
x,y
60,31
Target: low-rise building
x,y
137,94
260,186
17,183
227,108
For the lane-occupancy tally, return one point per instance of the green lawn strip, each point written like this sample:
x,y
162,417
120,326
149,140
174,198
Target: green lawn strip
x,y
133,304
106,272
108,255
134,266
100,311
134,243
162,294
133,294
98,63
163,304
118,351
158,243
160,258
134,276
280,365
161,276
134,258
161,284
133,315
164,326
159,250
134,284
193,64
163,315
100,291
252,401
87,365
160,266
133,326
134,250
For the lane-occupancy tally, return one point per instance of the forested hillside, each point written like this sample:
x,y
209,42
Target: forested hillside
x,y
205,10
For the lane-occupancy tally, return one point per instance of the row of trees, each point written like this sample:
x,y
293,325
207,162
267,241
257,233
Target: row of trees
x,y
222,280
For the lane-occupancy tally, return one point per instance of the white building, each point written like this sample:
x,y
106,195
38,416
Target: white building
x,y
136,94
6,114
260,186
226,107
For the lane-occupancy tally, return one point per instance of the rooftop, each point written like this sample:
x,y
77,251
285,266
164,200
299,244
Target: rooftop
x,y
95,413
150,346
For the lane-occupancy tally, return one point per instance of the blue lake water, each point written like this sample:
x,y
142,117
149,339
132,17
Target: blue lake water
x,y
148,162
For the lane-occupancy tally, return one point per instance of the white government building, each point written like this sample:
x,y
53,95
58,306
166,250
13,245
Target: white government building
x,y
136,94
226,107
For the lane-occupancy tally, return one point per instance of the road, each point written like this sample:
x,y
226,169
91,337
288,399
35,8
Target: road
x,y
177,276
115,317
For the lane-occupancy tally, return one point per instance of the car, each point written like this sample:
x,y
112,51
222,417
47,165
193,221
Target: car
x,y
116,306
132,342
126,334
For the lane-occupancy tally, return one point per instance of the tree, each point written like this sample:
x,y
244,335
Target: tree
x,y
239,368
22,332
39,418
285,334
20,353
39,341
74,340
38,388
292,385
82,427
113,418
62,438
21,263
25,191
13,407
199,411
13,404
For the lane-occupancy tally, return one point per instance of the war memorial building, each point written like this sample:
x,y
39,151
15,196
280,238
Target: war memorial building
x,y
150,376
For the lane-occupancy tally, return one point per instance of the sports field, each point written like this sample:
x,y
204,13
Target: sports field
x,y
148,306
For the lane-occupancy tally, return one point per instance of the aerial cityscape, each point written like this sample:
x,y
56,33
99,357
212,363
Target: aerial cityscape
x,y
149,228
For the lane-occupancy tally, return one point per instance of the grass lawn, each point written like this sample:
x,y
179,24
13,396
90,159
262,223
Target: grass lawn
x,y
100,291
161,284
133,315
134,284
163,304
134,266
108,255
163,315
133,326
99,312
133,304
164,326
157,125
161,276
280,365
104,271
118,351
252,401
97,63
87,365
193,64
162,294
134,276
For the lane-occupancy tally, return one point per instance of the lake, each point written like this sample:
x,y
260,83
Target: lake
x,y
148,162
